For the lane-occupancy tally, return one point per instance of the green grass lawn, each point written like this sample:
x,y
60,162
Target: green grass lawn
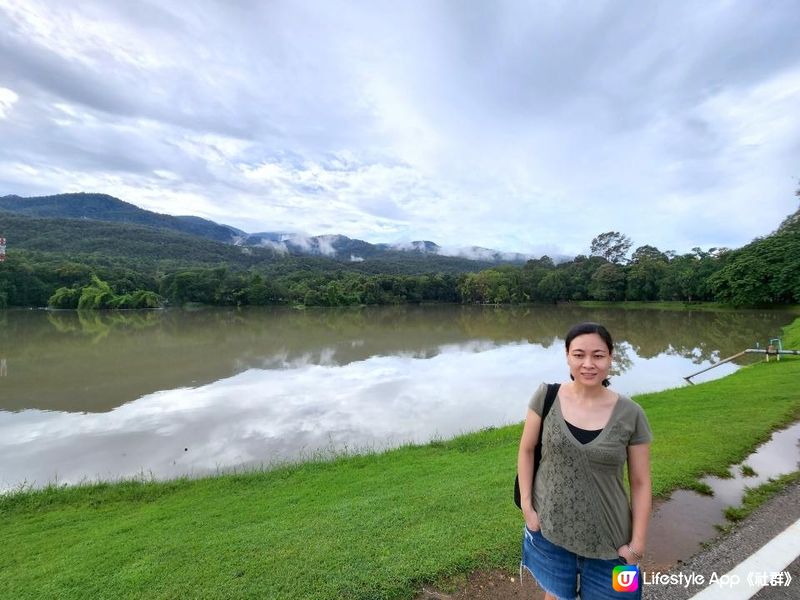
x,y
364,527
791,336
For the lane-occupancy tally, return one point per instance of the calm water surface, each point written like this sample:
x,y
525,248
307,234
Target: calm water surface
x,y
170,393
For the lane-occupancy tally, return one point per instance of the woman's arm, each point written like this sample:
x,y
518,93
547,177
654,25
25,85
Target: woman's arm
x,y
641,500
530,437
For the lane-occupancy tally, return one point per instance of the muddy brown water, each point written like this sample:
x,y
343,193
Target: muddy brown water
x,y
108,395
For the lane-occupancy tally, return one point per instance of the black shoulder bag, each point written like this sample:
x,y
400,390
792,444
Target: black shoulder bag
x,y
550,397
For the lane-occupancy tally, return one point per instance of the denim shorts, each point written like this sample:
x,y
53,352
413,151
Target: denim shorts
x,y
567,575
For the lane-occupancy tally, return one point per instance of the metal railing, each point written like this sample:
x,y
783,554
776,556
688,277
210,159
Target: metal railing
x,y
770,350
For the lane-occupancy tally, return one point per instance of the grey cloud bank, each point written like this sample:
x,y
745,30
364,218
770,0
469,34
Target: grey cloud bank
x,y
515,126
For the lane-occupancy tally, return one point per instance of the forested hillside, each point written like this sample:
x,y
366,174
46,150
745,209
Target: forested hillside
x,y
98,208
75,237
61,262
102,207
45,255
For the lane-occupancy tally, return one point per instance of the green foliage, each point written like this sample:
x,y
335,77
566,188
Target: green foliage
x,y
146,299
62,255
644,278
608,283
98,294
766,271
612,246
552,286
65,298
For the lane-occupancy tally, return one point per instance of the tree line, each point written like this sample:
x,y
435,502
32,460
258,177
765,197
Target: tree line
x,y
763,273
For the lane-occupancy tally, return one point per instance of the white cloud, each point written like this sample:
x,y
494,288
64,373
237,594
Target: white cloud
x,y
279,247
461,124
325,245
7,100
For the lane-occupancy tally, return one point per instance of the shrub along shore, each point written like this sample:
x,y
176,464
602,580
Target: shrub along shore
x,y
364,527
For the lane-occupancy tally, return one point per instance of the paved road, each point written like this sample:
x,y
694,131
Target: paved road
x,y
724,554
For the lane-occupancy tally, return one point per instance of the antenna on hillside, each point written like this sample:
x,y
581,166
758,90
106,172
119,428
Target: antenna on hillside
x,y
2,249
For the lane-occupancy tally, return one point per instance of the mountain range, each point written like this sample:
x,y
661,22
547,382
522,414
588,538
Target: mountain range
x,y
105,208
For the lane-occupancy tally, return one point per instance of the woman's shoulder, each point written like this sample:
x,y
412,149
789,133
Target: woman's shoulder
x,y
633,418
536,403
630,409
627,404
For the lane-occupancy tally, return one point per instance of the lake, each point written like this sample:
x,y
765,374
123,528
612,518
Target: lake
x,y
108,395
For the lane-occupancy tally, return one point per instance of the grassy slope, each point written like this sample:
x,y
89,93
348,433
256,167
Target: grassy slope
x,y
360,527
791,336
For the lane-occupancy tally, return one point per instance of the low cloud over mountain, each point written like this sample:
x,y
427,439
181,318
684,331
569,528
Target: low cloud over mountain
x,y
102,207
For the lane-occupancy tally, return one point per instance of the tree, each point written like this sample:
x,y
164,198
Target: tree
x,y
611,245
763,272
790,223
96,295
647,252
644,279
260,291
608,283
65,298
682,279
578,275
646,271
744,281
553,286
544,262
147,299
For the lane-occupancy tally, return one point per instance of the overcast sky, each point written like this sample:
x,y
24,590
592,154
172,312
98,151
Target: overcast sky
x,y
521,126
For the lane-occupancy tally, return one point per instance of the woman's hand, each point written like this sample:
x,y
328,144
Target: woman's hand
x,y
531,519
627,552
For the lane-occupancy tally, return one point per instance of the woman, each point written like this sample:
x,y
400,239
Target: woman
x,y
579,524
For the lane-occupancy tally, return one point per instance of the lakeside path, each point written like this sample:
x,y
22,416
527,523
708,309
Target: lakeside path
x,y
366,527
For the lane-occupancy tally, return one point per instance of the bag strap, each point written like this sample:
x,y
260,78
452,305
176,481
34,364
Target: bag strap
x,y
549,400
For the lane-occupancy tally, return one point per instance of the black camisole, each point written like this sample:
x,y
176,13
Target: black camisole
x,y
584,436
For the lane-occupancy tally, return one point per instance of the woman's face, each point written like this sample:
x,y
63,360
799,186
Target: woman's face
x,y
589,359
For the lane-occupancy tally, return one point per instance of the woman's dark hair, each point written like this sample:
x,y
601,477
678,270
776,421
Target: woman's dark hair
x,y
589,327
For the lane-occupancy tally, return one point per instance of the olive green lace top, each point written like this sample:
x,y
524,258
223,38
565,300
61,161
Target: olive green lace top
x,y
578,491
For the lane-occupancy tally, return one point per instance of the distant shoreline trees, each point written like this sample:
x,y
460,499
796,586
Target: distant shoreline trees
x,y
765,272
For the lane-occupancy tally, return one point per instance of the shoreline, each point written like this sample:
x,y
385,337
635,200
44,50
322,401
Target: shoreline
x,y
673,305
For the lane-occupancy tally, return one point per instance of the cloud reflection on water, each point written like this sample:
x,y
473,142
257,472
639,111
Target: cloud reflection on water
x,y
305,406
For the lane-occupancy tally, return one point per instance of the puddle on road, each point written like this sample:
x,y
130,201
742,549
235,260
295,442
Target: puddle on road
x,y
682,523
